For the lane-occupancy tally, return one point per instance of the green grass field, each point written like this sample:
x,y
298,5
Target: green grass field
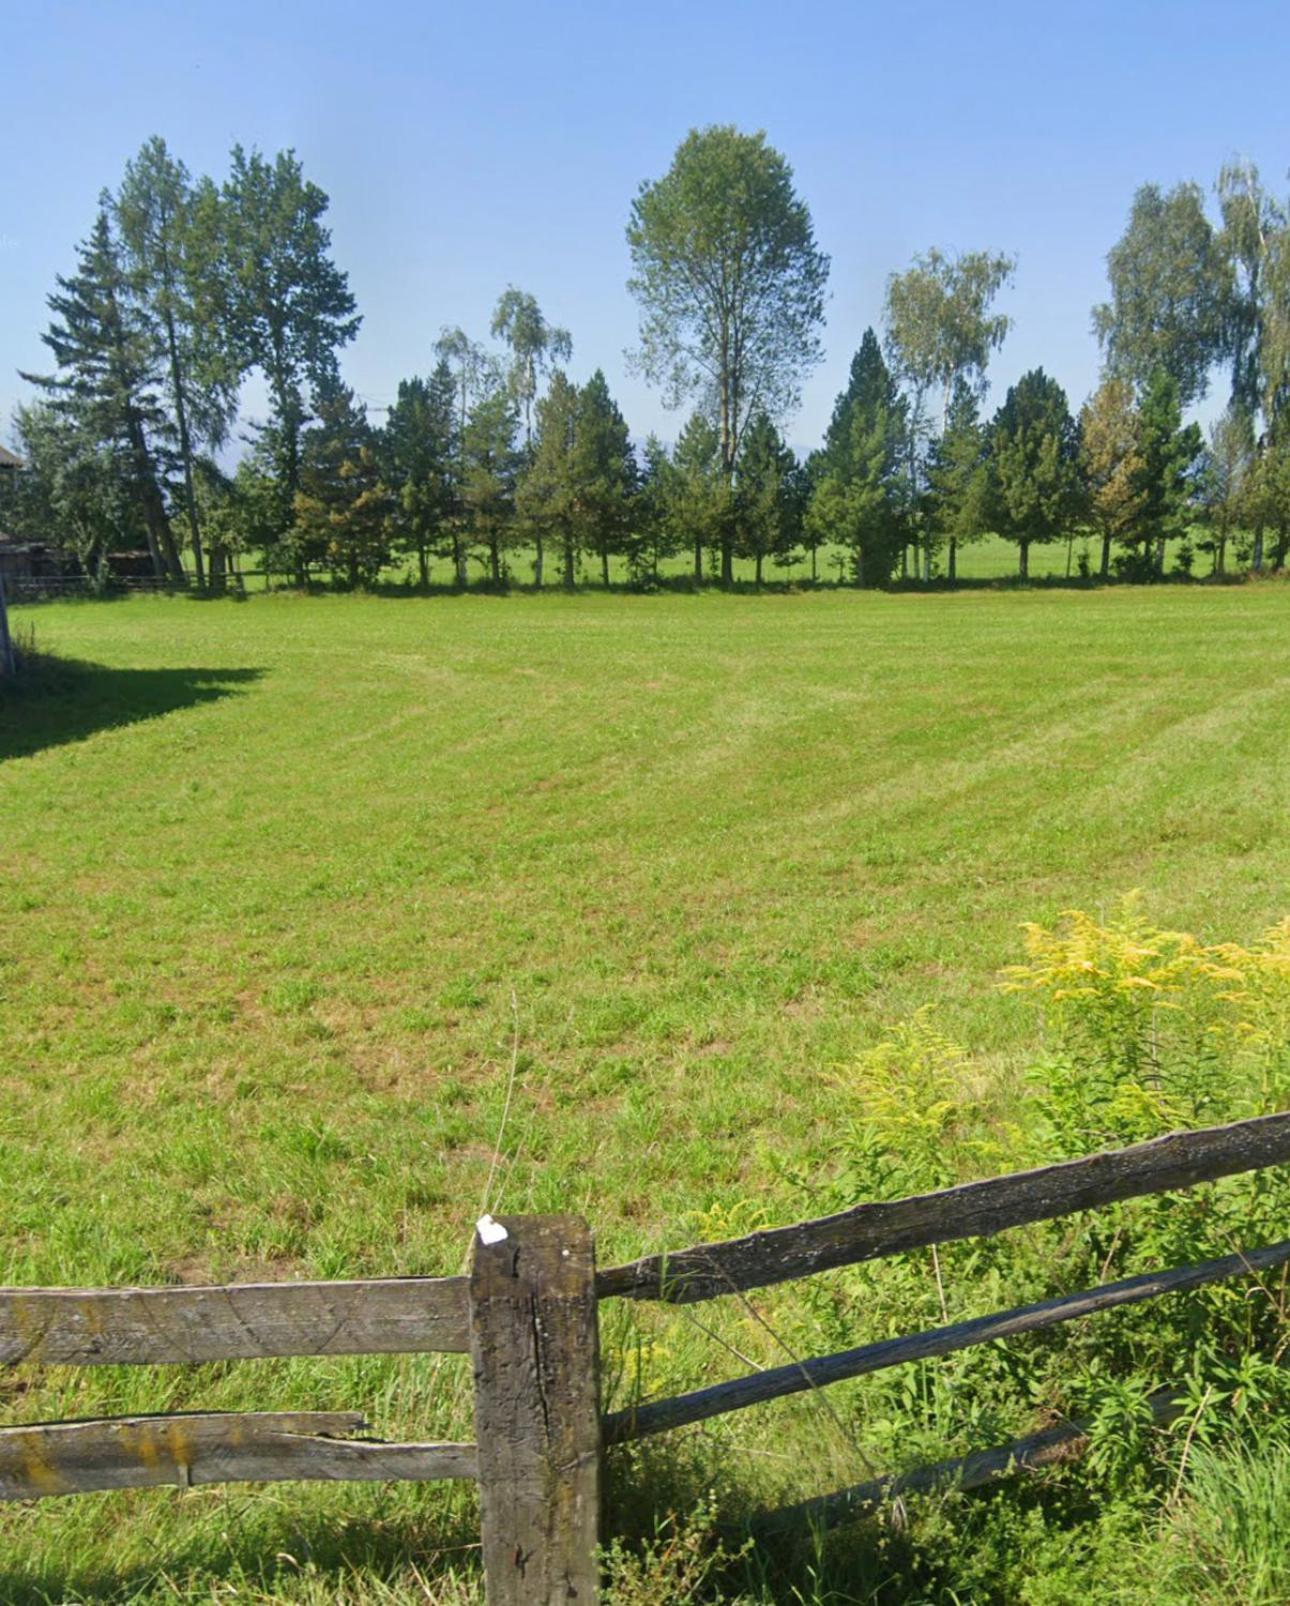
x,y
293,888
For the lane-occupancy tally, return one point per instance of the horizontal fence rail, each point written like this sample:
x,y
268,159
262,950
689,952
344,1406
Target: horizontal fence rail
x,y
973,1210
527,1316
1055,1446
660,1415
250,1321
212,1447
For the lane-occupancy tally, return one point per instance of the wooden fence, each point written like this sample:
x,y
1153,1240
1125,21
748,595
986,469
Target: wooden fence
x,y
527,1315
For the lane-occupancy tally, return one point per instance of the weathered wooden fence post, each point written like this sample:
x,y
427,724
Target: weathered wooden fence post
x,y
8,658
535,1348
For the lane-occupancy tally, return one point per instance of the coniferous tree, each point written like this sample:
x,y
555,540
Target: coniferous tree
x,y
419,454
1169,452
768,502
546,497
342,506
74,491
1033,451
958,479
859,491
656,535
107,381
605,472
490,465
698,491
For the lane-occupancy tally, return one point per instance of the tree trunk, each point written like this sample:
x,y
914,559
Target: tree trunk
x,y
161,538
814,572
1160,557
604,566
1106,556
727,561
568,563
759,563
423,565
459,560
185,449
953,570
537,563
1283,542
1023,549
218,567
495,559
698,560
1256,557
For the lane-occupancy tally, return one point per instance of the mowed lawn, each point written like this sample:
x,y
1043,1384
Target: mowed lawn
x,y
300,893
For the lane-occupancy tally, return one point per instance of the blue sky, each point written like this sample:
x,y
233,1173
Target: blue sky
x,y
466,147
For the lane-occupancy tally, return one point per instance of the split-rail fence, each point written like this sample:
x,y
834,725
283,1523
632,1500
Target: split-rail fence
x,y
527,1315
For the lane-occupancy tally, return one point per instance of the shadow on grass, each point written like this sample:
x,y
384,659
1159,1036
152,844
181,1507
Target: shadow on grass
x,y
60,700
334,1559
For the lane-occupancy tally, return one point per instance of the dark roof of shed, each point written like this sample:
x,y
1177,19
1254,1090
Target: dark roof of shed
x,y
8,460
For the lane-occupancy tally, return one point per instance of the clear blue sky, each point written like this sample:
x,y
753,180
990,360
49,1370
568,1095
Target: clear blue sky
x,y
466,146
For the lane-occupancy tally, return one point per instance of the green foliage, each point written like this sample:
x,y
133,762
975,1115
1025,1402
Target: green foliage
x,y
858,496
535,346
286,306
1112,466
74,491
107,381
959,478
1169,291
604,471
419,453
1033,446
1169,451
489,465
730,282
768,497
342,506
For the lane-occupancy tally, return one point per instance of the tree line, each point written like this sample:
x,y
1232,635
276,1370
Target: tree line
x,y
496,463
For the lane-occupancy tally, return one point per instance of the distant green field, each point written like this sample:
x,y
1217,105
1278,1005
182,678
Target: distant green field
x,y
291,886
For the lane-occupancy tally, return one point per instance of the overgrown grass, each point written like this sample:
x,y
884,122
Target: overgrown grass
x,y
292,888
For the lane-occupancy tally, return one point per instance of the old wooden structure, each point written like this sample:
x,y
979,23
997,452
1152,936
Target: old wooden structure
x,y
527,1315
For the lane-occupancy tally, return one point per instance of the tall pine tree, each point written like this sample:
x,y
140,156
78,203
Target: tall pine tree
x,y
107,381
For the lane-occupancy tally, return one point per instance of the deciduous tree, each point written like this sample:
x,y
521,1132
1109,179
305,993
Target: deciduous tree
x,y
1169,293
287,305
730,283
536,346
1112,465
940,335
165,259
